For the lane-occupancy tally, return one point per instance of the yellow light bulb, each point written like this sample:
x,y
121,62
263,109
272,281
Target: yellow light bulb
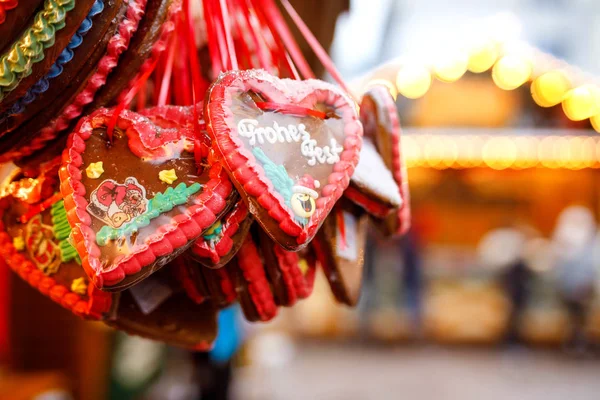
x,y
511,71
581,103
483,57
550,88
413,81
452,68
595,120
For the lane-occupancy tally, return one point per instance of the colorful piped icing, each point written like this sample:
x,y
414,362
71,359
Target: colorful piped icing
x,y
57,68
286,187
168,176
6,5
19,243
79,286
62,232
214,233
95,170
161,203
17,62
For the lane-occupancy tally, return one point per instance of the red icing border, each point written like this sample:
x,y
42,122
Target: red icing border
x,y
253,270
116,46
202,214
231,224
297,284
241,163
399,172
373,207
95,307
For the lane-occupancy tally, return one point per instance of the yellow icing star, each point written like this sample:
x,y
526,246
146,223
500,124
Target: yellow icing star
x,y
167,176
19,243
94,170
303,265
79,286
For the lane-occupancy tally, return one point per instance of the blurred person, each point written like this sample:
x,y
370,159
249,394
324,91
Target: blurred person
x,y
574,241
214,368
502,250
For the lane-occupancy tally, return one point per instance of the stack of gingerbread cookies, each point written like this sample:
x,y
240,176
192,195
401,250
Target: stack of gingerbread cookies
x,y
154,220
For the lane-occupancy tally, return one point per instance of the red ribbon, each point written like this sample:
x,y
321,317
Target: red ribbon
x,y
290,109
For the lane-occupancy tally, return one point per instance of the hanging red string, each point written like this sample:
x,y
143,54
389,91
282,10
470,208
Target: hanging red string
x,y
201,141
165,78
249,27
225,21
313,43
277,23
279,53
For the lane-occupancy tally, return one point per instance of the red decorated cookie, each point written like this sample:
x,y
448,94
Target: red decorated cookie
x,y
159,309
137,201
340,247
253,288
380,118
291,273
372,186
34,242
289,147
222,241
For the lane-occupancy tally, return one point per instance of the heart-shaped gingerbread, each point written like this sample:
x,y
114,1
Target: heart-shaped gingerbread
x,y
290,148
291,274
340,247
379,115
138,201
223,240
34,242
158,309
372,186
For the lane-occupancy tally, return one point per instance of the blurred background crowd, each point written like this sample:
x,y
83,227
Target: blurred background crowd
x,y
494,292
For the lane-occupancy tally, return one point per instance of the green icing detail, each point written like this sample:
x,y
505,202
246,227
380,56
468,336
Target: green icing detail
x,y
280,179
17,62
62,231
161,203
216,232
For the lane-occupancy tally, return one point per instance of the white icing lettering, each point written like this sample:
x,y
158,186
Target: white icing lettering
x,y
330,154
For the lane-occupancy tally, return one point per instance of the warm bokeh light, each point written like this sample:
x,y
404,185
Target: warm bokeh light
x,y
595,120
511,71
441,151
483,57
582,102
550,88
413,81
451,68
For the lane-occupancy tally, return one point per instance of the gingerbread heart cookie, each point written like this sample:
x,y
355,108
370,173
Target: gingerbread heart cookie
x,y
372,186
138,201
34,242
223,240
159,309
289,147
379,115
252,286
291,273
340,247
204,284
